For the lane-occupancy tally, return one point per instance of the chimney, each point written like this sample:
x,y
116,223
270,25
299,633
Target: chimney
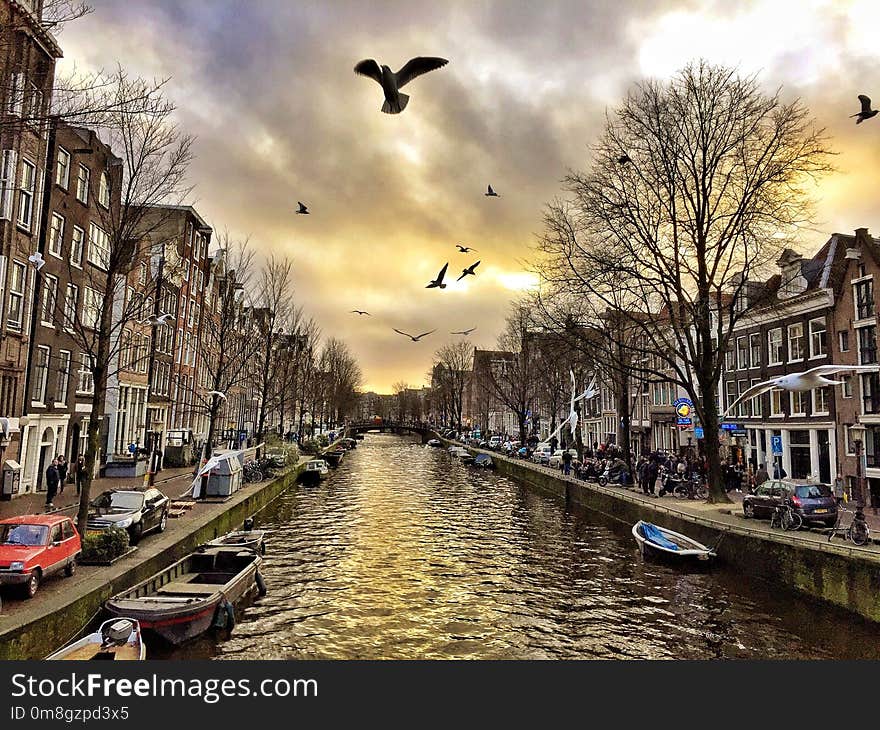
x,y
863,239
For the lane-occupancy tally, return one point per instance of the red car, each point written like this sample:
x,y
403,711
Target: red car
x,y
33,547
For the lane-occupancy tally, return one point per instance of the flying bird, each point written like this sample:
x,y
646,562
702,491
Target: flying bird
x,y
867,112
469,271
303,210
465,249
360,311
438,282
463,332
159,320
415,338
491,193
217,393
807,380
391,82
572,418
590,391
623,159
37,260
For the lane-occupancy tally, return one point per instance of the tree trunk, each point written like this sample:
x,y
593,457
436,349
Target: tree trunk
x,y
714,481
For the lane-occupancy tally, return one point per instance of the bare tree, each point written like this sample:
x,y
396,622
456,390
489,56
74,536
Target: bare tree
x,y
342,377
695,185
452,365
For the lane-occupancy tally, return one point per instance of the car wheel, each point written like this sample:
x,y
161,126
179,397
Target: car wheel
x,y
135,532
30,588
163,523
70,568
748,510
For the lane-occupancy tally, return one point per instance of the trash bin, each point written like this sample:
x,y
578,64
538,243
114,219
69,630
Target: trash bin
x,y
11,479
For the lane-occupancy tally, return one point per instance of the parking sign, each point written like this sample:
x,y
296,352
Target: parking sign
x,y
776,444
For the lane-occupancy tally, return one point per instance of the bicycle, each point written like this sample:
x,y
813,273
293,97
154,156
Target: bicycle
x,y
252,473
857,531
692,488
785,517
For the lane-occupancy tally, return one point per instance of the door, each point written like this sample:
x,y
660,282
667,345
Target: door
x,y
54,550
151,515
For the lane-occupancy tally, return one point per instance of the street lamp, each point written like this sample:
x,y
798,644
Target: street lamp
x,y
857,436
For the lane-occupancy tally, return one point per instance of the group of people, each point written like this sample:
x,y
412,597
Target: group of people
x,y
56,476
659,469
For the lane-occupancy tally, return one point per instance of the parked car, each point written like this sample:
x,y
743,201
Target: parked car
x,y
495,442
542,454
32,547
556,458
815,503
136,510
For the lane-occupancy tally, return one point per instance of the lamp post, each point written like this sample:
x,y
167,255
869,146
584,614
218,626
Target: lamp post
x,y
857,433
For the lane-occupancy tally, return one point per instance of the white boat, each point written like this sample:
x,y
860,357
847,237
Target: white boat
x,y
660,542
243,539
316,469
118,638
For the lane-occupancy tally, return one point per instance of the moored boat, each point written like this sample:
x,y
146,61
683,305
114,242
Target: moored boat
x,y
192,595
435,443
654,541
242,539
117,639
484,461
333,457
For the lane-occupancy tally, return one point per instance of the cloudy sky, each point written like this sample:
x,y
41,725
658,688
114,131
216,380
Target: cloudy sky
x,y
267,88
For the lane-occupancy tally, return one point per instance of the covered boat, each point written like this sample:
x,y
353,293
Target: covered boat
x,y
117,639
484,460
243,539
195,593
657,541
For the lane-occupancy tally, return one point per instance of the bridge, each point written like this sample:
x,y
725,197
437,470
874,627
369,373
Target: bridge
x,y
426,431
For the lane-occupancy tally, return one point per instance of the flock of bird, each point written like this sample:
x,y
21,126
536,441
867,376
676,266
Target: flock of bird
x,y
395,102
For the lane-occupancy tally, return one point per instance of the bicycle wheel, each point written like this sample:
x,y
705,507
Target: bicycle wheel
x,y
791,520
859,533
681,491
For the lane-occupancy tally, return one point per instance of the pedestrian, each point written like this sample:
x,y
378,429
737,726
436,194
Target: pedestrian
x,y
779,471
838,489
652,469
79,472
51,483
566,462
554,442
761,475
62,472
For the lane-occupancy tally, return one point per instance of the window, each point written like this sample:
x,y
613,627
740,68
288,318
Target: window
x,y
63,381
818,336
71,302
50,299
774,346
99,246
795,342
86,384
744,408
186,270
776,402
731,392
798,403
16,94
82,184
756,401
843,338
16,294
62,168
40,374
729,360
142,274
7,183
755,347
864,296
846,386
91,312
56,235
742,353
867,345
26,194
104,190
820,401
870,393
192,313
34,110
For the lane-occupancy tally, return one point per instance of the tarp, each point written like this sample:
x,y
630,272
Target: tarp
x,y
652,534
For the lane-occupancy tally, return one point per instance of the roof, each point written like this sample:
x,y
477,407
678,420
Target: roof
x,y
48,520
203,226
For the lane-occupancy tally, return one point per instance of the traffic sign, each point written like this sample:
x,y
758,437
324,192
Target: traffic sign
x,y
698,432
776,444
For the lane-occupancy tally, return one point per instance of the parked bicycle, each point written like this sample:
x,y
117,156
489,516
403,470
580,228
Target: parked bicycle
x,y
857,531
252,473
692,488
785,517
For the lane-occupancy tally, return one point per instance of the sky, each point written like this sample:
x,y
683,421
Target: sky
x,y
268,90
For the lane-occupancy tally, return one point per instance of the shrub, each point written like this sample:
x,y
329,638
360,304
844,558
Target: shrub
x,y
104,546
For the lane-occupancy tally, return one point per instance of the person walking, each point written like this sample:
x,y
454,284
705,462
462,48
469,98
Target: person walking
x,y
761,475
79,472
566,462
62,472
51,483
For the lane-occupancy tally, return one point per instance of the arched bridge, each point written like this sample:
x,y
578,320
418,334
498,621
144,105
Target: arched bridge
x,y
426,431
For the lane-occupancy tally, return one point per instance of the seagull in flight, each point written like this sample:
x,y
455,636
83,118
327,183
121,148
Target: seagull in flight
x,y
491,193
159,320
37,260
469,271
360,311
807,380
464,249
463,332
590,391
391,82
867,112
572,418
438,282
415,338
303,209
217,393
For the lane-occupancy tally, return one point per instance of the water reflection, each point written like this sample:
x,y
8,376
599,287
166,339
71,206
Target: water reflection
x,y
405,554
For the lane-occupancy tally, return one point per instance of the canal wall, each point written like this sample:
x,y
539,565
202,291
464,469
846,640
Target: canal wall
x,y
846,577
38,628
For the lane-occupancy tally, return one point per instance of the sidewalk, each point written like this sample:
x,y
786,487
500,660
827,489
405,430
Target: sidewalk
x,y
172,482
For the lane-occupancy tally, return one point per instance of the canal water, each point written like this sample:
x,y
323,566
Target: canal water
x,y
405,554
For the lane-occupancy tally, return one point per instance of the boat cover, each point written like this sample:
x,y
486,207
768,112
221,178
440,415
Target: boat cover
x,y
652,534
